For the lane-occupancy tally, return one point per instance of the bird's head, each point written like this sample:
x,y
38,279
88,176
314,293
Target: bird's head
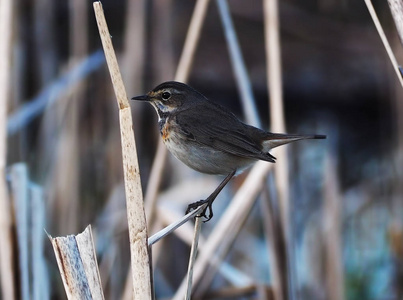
x,y
171,96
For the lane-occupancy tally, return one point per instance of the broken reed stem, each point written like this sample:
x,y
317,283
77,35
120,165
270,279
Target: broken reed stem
x,y
182,74
140,261
78,266
192,258
6,248
384,40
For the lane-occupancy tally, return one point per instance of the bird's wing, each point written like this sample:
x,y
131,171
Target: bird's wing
x,y
214,127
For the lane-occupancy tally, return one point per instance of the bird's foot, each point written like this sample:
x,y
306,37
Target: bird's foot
x,y
209,207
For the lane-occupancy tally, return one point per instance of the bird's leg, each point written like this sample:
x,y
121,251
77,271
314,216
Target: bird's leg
x,y
210,199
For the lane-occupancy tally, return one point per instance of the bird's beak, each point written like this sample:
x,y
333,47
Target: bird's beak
x,y
142,98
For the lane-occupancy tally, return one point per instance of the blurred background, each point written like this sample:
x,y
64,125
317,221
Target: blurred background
x,y
345,193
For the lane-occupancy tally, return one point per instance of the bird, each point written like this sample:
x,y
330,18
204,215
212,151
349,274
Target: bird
x,y
209,138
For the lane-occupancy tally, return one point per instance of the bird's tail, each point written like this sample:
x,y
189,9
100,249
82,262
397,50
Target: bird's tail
x,y
273,140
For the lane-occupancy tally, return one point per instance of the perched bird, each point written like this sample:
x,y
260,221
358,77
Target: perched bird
x,y
207,137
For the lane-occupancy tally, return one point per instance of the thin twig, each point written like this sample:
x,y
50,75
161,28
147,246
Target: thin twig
x,y
170,228
192,258
230,273
134,197
230,223
384,40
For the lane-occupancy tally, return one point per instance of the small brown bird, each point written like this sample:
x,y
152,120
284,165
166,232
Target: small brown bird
x,y
207,137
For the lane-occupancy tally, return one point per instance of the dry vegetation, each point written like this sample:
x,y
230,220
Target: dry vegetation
x,y
324,222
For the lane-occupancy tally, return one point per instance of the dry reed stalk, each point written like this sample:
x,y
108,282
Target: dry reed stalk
x,y
274,77
182,73
192,39
65,183
252,117
154,181
6,249
230,223
275,244
273,54
332,232
67,162
44,42
184,233
396,8
65,180
40,280
19,187
140,261
192,258
78,266
238,65
133,53
384,40
162,52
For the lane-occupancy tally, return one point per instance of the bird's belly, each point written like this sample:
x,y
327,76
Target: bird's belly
x,y
203,158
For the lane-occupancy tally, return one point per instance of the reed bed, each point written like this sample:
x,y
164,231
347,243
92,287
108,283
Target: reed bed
x,y
324,222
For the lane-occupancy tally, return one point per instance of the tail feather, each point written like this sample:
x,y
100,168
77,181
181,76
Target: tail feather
x,y
274,140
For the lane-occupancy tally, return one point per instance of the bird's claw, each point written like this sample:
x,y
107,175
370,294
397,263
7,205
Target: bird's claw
x,y
196,204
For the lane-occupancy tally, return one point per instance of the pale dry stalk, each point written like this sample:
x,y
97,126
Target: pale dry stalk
x,y
78,266
384,40
140,261
192,258
273,54
7,249
230,223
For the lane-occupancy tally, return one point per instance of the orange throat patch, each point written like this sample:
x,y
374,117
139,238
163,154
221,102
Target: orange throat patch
x,y
165,132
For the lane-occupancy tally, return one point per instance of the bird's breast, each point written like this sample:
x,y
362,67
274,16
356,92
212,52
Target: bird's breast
x,y
199,157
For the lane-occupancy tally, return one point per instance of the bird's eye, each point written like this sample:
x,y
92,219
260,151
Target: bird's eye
x,y
166,95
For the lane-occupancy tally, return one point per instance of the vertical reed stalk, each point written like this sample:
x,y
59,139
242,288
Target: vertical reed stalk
x,y
193,253
134,45
6,248
332,232
19,186
272,40
238,65
140,260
